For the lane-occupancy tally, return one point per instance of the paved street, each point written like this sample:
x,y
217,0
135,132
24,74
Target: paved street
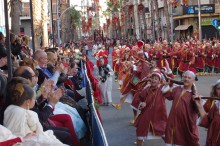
x,y
116,122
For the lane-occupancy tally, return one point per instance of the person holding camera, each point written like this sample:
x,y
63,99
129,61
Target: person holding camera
x,y
105,81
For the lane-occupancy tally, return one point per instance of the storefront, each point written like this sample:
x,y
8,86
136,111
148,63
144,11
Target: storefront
x,y
187,23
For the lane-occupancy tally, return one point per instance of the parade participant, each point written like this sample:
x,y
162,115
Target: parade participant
x,y
209,58
175,57
187,59
151,100
134,82
156,55
199,58
101,53
115,61
211,117
124,66
166,53
181,126
217,59
105,81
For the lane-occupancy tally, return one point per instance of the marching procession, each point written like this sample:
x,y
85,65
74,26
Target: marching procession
x,y
146,75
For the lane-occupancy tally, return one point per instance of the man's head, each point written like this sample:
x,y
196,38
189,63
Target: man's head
x,y
102,61
52,58
27,73
189,78
41,57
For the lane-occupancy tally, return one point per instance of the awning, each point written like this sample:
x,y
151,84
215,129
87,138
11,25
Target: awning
x,y
182,27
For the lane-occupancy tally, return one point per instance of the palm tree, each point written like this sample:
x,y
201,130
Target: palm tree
x,y
15,6
159,31
45,18
37,20
167,15
75,20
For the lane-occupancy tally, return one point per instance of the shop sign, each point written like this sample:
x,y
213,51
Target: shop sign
x,y
193,9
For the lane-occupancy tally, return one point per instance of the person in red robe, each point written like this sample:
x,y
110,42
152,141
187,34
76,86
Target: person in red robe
x,y
217,59
210,116
157,56
166,53
101,53
199,58
151,100
187,59
115,61
181,126
175,57
209,58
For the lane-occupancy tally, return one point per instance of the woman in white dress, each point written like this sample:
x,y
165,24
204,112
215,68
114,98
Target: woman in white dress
x,y
22,121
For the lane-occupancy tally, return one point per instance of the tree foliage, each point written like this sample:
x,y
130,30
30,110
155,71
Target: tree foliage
x,y
75,17
111,8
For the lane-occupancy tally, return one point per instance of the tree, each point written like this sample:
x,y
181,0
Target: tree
x,y
75,19
44,15
37,20
159,31
16,6
167,15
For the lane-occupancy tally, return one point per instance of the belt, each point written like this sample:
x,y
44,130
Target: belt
x,y
166,56
185,61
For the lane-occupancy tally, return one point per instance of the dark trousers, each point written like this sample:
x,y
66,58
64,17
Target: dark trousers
x,y
63,134
208,69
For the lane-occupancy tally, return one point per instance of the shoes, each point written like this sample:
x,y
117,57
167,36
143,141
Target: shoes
x,y
117,106
132,122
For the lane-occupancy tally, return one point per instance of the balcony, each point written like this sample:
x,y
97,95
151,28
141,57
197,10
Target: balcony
x,y
25,15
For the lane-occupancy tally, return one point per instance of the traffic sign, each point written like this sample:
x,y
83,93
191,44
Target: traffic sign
x,y
215,22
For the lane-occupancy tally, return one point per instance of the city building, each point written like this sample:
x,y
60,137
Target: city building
x,y
186,22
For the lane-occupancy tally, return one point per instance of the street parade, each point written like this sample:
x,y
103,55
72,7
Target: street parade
x,y
110,73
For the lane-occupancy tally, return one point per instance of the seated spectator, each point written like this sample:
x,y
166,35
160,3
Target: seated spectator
x,y
18,117
41,107
41,58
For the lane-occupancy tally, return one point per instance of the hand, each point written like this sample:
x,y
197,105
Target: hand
x,y
60,67
143,105
3,61
47,87
65,70
167,64
55,96
29,135
197,100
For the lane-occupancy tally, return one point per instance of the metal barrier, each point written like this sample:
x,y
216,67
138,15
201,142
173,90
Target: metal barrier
x,y
97,131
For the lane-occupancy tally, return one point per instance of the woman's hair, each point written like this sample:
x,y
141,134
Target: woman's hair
x,y
213,90
19,90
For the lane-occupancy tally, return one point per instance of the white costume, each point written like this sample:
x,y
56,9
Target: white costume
x,y
106,87
22,122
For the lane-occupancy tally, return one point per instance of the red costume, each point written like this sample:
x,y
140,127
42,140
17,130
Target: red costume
x,y
187,58
212,122
199,59
181,126
217,60
148,121
209,59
